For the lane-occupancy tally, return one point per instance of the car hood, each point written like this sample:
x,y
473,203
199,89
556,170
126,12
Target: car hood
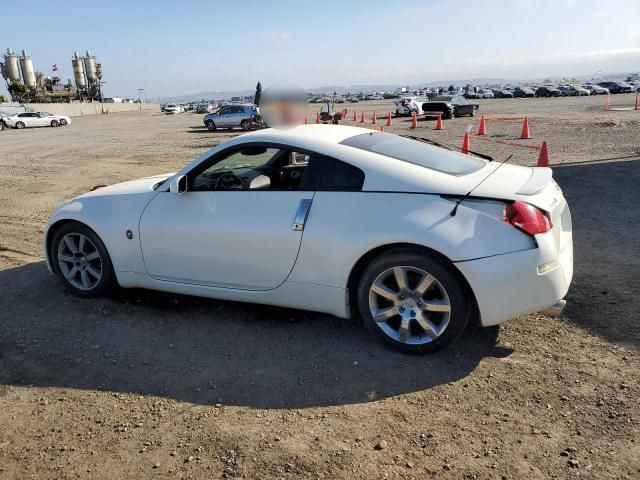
x,y
141,185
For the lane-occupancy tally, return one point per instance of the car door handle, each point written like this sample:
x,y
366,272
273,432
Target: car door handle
x,y
301,215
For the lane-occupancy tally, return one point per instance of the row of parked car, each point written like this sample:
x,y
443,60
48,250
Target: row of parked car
x,y
458,103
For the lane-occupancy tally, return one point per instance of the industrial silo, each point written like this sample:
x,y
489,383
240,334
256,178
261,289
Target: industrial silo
x,y
90,67
28,74
11,66
78,71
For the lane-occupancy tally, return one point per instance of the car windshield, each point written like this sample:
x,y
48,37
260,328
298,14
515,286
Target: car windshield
x,y
415,152
45,114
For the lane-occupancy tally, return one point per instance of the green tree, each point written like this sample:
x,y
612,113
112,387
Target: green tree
x,y
256,99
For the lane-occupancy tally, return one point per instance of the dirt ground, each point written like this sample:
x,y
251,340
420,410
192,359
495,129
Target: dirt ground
x,y
151,385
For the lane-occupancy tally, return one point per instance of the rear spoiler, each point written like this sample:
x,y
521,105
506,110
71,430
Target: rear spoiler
x,y
540,177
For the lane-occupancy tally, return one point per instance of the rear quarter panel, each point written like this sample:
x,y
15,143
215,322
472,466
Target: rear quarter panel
x,y
343,226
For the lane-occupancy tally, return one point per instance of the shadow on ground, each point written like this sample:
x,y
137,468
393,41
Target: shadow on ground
x,y
206,351
605,205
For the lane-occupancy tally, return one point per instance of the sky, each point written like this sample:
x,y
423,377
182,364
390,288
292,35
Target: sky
x,y
171,47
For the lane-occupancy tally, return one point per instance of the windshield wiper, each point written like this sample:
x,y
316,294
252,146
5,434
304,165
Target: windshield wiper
x,y
446,147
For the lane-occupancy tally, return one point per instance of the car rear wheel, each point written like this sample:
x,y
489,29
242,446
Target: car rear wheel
x,y
211,125
412,302
54,123
63,122
19,124
244,124
81,260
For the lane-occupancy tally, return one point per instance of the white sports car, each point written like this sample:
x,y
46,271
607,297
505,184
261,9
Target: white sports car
x,y
37,119
413,238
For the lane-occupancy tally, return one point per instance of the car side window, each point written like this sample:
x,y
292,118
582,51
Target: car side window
x,y
340,176
224,111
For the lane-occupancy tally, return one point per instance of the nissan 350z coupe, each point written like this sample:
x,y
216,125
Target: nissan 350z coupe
x,y
333,219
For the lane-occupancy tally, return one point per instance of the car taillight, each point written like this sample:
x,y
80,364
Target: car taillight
x,y
527,218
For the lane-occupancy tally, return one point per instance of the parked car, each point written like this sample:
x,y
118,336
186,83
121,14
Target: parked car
x,y
203,108
36,119
548,91
172,108
617,87
576,91
596,89
635,85
451,106
471,95
409,105
523,92
244,116
485,93
333,219
502,93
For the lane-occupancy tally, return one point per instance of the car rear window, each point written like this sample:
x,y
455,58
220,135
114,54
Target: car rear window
x,y
413,151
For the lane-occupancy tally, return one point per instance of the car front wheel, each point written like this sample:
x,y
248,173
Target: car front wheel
x,y
211,125
81,260
63,122
412,302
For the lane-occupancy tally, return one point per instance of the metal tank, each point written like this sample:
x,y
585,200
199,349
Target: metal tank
x,y
78,71
41,81
28,74
11,66
90,67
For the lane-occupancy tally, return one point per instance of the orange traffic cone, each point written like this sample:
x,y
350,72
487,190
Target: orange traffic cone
x,y
306,121
636,106
543,159
439,122
355,116
362,117
482,129
525,129
373,118
465,144
414,121
382,128
389,122
607,101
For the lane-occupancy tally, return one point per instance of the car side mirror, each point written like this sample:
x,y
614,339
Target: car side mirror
x,y
178,185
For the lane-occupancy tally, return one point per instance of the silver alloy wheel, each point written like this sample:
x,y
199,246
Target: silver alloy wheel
x,y
79,261
409,305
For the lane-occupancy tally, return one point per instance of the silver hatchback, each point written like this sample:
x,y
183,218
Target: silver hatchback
x,y
245,116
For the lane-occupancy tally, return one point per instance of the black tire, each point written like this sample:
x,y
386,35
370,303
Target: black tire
x,y
63,122
54,123
452,114
19,125
447,277
473,112
107,280
211,125
245,125
1,126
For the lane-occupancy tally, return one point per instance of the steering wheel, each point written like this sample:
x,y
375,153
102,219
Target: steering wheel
x,y
230,181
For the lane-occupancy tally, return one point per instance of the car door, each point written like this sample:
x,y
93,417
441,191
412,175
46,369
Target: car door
x,y
43,119
222,119
237,238
237,115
